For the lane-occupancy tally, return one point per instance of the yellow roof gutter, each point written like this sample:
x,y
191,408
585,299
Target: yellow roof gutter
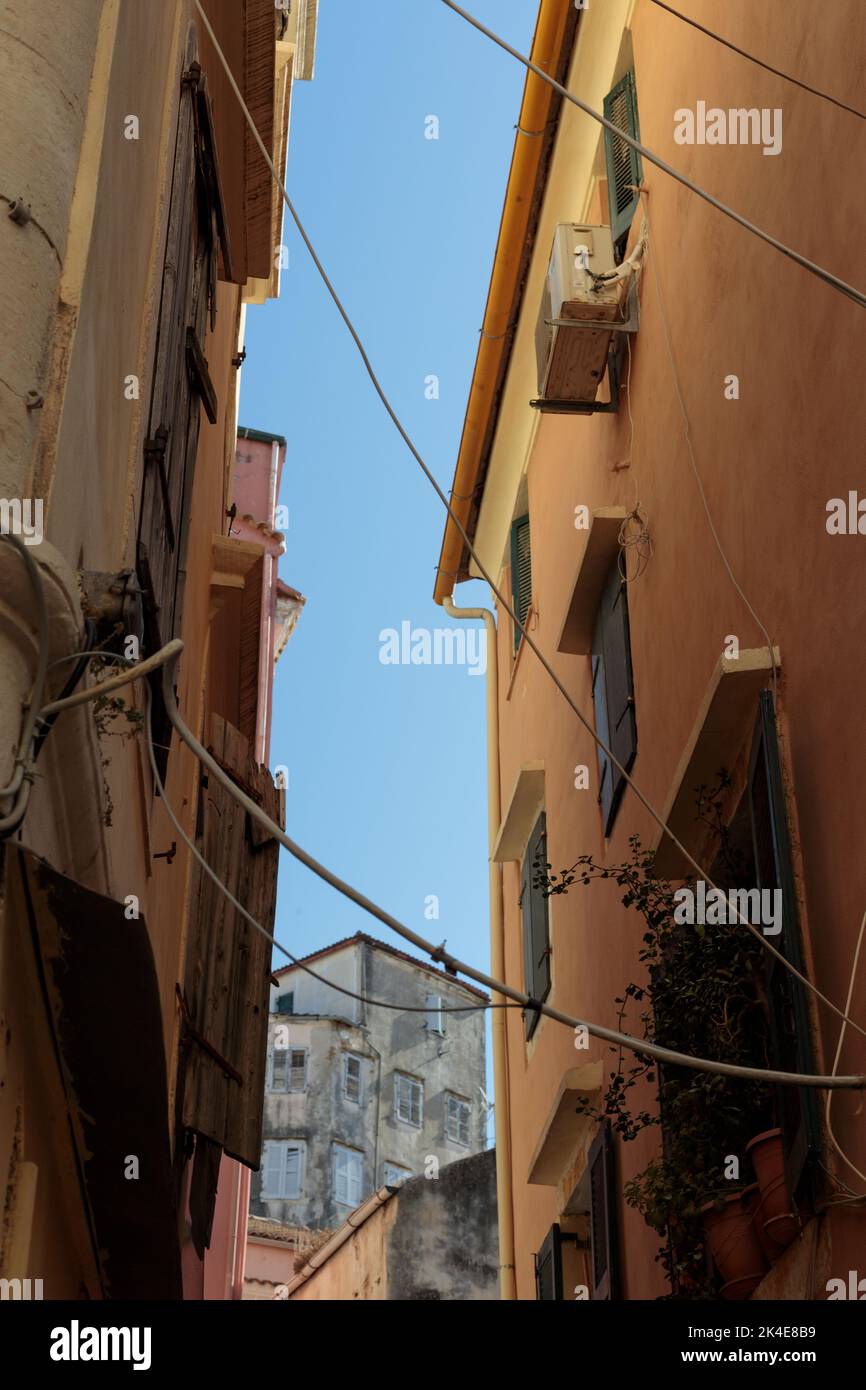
x,y
551,49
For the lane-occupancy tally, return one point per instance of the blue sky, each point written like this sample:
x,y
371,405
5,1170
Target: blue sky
x,y
387,775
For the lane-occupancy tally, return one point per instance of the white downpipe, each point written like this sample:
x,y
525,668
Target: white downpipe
x,y
502,1110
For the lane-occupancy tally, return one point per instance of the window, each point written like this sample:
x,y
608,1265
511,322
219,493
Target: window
x,y
624,167
288,1069
790,1030
521,573
348,1171
602,1216
409,1100
457,1117
435,1016
536,931
283,1164
352,1077
286,1004
613,692
393,1175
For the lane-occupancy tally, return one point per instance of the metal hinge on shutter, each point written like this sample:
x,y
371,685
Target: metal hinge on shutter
x,y
154,456
200,375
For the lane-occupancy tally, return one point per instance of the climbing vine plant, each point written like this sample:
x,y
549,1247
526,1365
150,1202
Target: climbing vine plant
x,y
702,992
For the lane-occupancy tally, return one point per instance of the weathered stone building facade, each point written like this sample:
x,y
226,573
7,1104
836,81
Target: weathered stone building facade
x,y
359,1096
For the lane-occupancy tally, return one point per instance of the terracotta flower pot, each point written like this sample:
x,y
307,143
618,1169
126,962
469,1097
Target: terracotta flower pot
x,y
780,1223
755,1204
734,1246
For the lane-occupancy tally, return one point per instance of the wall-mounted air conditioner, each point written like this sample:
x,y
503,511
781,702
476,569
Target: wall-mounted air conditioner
x,y
572,361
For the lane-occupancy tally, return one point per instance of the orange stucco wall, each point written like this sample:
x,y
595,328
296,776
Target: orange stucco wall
x,y
770,461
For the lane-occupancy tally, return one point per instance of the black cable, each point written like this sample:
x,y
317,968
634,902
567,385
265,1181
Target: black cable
x,y
46,725
815,91
269,936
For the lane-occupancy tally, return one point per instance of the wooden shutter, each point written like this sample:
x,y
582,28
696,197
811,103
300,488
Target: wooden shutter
x,y
228,962
536,927
292,1178
613,692
341,1175
548,1268
298,1079
279,1066
790,1025
521,573
93,973
272,1160
624,165
602,1215
180,381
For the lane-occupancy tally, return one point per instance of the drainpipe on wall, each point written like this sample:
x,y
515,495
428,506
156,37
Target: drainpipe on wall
x,y
267,616
502,1109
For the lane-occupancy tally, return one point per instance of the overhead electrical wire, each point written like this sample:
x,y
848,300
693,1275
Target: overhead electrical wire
x,y
133,672
827,1121
690,448
398,425
768,67
263,931
165,659
850,291
451,963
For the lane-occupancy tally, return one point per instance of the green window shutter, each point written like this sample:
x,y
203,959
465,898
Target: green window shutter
x,y
613,692
624,165
521,572
548,1268
790,1024
536,928
602,1212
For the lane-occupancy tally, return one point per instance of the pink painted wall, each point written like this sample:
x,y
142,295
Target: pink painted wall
x,y
258,470
256,485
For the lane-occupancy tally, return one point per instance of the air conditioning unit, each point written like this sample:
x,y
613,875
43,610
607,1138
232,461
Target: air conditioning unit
x,y
572,361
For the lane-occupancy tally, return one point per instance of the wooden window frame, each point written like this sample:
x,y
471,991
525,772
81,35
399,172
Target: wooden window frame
x,y
414,1084
434,1013
357,1158
286,1146
461,1104
346,1059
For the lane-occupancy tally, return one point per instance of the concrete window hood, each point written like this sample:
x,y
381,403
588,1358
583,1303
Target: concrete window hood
x,y
565,1132
721,730
599,553
527,799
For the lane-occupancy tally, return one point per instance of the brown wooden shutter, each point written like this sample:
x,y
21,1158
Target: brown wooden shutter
x,y
91,969
181,380
227,985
